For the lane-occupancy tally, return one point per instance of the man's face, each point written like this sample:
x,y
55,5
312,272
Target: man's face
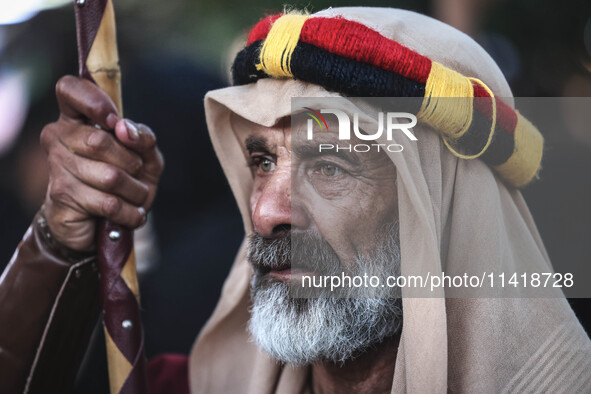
x,y
338,207
344,197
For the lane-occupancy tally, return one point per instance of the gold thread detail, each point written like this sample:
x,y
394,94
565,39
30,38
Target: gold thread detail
x,y
275,56
448,104
492,127
523,165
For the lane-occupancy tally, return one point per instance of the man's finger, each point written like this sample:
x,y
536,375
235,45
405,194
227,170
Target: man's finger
x,y
141,139
135,136
95,144
80,100
79,196
109,179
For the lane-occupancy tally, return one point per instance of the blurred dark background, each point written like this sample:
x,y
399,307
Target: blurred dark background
x,y
173,52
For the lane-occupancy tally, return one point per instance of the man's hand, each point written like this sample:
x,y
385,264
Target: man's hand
x,y
93,173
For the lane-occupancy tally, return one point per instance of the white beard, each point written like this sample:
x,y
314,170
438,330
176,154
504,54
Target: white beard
x,y
306,330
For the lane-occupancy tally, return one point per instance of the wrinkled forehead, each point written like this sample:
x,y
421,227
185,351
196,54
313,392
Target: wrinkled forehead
x,y
253,135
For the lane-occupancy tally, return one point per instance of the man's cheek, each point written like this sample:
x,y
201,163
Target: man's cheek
x,y
333,188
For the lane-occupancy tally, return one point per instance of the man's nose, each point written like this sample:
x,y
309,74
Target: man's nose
x,y
273,212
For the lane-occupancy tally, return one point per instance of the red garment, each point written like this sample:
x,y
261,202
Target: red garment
x,y
169,373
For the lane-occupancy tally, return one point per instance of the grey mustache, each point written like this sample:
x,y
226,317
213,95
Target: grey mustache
x,y
306,251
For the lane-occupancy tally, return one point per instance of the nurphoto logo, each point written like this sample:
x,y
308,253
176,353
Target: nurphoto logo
x,y
387,122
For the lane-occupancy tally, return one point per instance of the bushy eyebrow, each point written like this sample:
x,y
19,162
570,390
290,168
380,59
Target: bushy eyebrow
x,y
307,151
256,144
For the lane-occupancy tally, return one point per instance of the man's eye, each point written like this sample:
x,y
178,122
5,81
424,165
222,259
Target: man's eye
x,y
330,170
266,165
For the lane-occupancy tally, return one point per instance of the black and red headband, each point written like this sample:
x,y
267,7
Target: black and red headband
x,y
350,58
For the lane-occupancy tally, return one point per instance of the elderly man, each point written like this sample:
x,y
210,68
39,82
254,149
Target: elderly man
x,y
422,206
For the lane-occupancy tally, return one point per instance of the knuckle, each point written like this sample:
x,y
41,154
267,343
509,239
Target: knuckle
x,y
143,195
135,165
47,135
99,109
57,190
98,141
63,85
111,178
110,206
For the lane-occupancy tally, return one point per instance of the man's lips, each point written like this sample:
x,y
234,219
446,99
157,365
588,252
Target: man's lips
x,y
288,273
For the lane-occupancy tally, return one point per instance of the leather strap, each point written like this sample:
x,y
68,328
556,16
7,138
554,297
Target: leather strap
x,y
88,19
120,308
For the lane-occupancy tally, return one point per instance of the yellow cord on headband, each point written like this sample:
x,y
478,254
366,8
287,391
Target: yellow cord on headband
x,y
275,57
492,127
448,104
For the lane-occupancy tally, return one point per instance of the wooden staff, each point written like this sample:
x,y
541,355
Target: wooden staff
x,y
119,291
